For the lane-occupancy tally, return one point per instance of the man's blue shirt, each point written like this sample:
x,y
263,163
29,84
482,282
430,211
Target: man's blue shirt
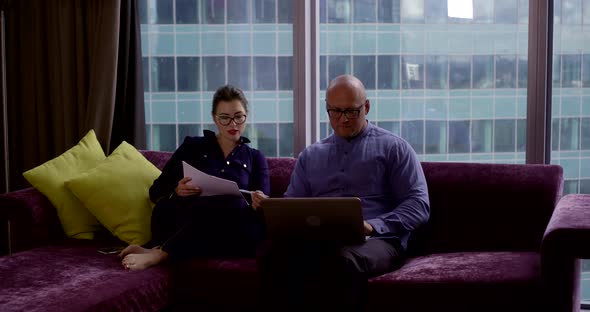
x,y
377,166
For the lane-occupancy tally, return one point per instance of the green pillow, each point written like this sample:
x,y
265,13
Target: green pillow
x,y
49,179
116,193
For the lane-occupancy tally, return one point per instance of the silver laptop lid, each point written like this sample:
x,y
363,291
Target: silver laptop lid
x,y
336,220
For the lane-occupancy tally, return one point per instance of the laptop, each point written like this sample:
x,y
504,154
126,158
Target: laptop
x,y
332,220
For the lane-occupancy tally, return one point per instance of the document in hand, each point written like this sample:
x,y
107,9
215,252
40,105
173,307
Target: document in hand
x,y
209,184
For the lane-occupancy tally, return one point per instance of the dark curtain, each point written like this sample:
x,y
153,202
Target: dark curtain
x,y
129,116
72,66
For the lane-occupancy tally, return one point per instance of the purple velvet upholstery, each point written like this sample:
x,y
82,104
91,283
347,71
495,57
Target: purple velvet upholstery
x,y
487,246
74,277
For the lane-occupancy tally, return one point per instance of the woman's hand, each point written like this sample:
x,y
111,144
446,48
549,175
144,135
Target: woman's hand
x,y
257,197
184,189
368,228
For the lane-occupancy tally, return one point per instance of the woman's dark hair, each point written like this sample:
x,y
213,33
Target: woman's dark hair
x,y
228,93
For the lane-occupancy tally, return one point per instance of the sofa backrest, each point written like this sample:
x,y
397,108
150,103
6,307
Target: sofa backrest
x,y
474,206
280,169
491,207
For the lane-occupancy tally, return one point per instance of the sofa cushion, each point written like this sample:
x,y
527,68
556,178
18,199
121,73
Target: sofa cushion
x,y
73,276
460,281
49,179
116,192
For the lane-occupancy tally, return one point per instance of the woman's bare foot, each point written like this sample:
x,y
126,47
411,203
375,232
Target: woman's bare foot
x,y
144,259
133,249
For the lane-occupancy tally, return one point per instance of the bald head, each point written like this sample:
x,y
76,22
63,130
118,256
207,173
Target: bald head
x,y
347,106
347,83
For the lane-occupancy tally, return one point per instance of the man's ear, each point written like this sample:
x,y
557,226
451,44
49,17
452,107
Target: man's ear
x,y
367,106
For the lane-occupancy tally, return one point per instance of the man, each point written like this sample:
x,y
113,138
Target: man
x,y
358,160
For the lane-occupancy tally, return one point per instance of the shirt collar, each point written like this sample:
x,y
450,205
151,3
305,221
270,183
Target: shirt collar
x,y
362,134
210,135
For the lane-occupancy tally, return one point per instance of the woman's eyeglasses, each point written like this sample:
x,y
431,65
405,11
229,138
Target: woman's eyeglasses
x,y
226,120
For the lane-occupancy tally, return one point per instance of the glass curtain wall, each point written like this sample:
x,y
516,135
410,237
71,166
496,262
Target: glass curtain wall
x,y
451,82
570,111
192,47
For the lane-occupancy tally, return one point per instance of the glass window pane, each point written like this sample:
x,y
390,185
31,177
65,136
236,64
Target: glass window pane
x,y
568,134
162,70
585,189
412,11
286,134
391,126
185,130
555,134
460,72
145,63
238,71
214,72
323,73
570,187
436,137
266,138
164,137
364,69
265,69
435,11
483,71
163,12
505,11
285,72
586,12
285,11
413,72
586,69
483,11
523,11
213,12
481,136
571,12
388,11
388,72
265,11
187,12
436,72
523,66
505,71
459,136
556,76
364,11
585,134
413,132
571,73
339,11
338,65
504,136
521,135
238,11
142,11
187,69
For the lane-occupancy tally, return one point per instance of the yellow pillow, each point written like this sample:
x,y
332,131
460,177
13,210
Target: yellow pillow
x,y
116,193
49,179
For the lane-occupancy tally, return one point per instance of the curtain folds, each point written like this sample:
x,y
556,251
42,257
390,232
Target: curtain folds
x,y
72,66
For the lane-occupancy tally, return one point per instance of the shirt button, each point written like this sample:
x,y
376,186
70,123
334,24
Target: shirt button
x,y
245,166
204,156
227,162
222,170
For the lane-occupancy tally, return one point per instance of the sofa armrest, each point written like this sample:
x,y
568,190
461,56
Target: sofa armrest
x,y
566,241
27,219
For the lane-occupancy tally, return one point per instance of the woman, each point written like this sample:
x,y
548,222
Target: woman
x,y
185,224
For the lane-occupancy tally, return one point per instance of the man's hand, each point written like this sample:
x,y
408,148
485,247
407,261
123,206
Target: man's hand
x,y
257,197
368,228
184,189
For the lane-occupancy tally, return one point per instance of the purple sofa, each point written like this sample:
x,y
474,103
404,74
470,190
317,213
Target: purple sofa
x,y
499,239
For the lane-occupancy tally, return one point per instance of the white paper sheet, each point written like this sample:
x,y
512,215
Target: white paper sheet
x,y
209,184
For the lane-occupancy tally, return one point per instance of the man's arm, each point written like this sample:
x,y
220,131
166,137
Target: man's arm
x,y
299,184
412,207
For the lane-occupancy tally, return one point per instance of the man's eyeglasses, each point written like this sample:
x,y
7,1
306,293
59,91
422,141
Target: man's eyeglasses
x,y
349,113
226,120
